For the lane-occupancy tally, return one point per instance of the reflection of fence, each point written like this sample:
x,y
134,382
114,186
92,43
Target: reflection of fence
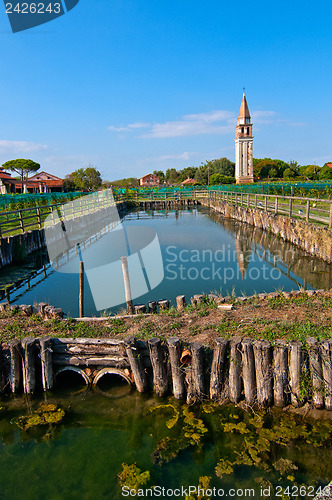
x,y
20,221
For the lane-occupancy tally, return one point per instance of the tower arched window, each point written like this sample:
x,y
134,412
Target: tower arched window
x,y
248,130
242,130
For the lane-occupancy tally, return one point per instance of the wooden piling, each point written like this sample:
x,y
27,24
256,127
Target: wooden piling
x,y
152,306
41,308
125,271
326,353
178,376
316,372
29,364
136,365
197,365
180,302
140,309
294,367
163,304
264,375
217,379
46,362
248,372
280,373
15,373
81,293
160,382
2,371
235,369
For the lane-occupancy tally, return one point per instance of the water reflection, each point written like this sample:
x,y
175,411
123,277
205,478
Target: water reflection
x,y
202,252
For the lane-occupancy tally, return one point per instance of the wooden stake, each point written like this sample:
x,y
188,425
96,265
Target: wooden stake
x,y
81,295
326,353
235,370
264,377
280,373
294,366
136,366
217,380
125,271
46,362
180,302
248,372
316,372
15,376
197,353
178,376
29,364
160,382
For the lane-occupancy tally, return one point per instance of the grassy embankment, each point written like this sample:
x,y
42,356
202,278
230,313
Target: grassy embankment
x,y
280,317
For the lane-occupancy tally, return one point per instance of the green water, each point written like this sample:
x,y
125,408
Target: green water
x,y
81,457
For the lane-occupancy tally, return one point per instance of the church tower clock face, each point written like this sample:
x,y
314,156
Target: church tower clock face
x,y
244,146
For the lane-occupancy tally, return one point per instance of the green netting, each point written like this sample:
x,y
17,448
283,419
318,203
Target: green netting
x,y
18,201
312,189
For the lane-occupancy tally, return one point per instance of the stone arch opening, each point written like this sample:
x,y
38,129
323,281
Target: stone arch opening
x,y
71,378
112,383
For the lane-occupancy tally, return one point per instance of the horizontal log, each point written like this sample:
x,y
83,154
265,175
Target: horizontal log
x,y
97,350
116,361
99,341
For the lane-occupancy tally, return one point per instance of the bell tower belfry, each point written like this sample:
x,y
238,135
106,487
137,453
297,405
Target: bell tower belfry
x,y
244,172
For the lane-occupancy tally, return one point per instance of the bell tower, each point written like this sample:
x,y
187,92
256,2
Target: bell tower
x,y
243,145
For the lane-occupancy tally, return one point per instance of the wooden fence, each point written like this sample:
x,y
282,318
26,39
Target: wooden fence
x,y
25,219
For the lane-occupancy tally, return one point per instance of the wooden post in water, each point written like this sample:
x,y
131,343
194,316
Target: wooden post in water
x,y
81,294
125,271
235,370
217,379
326,353
280,373
160,382
316,372
15,376
174,349
29,364
136,366
248,372
264,378
294,366
46,362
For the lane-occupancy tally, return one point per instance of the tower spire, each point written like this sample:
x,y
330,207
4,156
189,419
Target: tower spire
x,y
243,145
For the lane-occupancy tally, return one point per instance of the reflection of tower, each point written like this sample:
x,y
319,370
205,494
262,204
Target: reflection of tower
x,y
243,145
243,250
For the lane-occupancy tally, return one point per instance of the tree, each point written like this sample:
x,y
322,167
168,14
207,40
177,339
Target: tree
x,y
172,175
160,174
21,167
221,179
325,173
310,172
290,174
86,179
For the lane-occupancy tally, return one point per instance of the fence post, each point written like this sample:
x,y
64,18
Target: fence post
x,y
255,200
39,218
265,203
308,211
248,199
276,206
330,223
290,207
21,221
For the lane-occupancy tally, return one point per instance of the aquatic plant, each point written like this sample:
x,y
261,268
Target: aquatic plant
x,y
46,414
203,485
132,477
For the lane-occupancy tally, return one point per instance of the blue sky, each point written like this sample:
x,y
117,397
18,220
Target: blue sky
x,y
131,86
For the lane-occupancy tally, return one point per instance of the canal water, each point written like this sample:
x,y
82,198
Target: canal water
x,y
173,444
200,252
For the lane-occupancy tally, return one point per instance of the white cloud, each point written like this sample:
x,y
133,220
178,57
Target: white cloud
x,y
262,117
129,127
181,156
20,146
